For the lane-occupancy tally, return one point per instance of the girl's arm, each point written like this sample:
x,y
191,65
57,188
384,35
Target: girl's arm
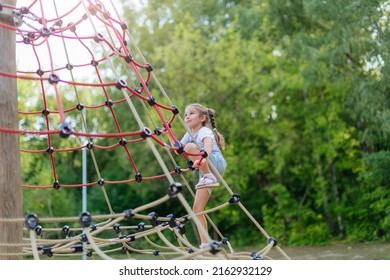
x,y
208,147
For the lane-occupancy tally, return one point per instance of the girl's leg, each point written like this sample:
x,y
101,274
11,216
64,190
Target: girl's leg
x,y
191,148
201,198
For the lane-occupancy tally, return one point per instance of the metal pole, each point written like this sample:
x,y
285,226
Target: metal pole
x,y
84,179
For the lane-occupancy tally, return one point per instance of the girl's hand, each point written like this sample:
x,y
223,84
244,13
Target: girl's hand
x,y
163,130
197,163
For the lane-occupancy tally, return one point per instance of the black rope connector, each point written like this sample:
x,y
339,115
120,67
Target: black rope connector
x,y
23,10
272,240
138,177
123,25
47,251
45,112
72,27
100,182
128,58
128,214
77,248
204,153
182,229
93,227
80,106
83,237
65,130
172,220
38,230
69,66
53,78
174,189
180,146
59,23
141,226
65,230
154,219
131,237
31,221
125,249
50,150
40,72
45,32
225,240
178,169
117,228
89,145
123,142
94,62
175,111
56,185
152,101
256,257
26,40
108,103
85,219
121,84
106,15
92,10
146,132
89,253
235,198
156,252
149,67
190,163
215,247
157,131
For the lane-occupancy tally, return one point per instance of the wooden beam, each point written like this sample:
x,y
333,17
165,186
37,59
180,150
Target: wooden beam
x,y
10,179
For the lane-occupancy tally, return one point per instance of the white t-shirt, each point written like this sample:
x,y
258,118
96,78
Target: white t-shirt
x,y
203,132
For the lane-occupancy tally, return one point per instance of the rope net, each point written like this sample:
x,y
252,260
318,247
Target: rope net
x,y
85,56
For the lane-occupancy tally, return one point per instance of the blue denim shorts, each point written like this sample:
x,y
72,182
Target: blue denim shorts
x,y
218,162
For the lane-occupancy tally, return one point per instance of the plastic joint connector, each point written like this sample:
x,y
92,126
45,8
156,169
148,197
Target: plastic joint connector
x,y
121,84
56,185
31,221
172,220
138,177
272,240
65,130
235,198
117,228
174,189
145,132
154,219
128,214
85,219
141,226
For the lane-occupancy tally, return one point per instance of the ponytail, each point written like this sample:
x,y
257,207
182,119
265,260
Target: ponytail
x,y
218,136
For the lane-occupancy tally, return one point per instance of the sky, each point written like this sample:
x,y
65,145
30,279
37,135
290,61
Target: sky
x,y
63,51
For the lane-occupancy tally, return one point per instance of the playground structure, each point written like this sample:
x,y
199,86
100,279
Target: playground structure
x,y
87,37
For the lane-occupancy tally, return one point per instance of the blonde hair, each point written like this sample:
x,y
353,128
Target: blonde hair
x,y
209,113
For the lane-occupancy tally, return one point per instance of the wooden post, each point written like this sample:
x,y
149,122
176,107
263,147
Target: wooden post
x,y
10,179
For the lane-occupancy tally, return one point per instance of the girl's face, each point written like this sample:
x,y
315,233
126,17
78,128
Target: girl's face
x,y
193,118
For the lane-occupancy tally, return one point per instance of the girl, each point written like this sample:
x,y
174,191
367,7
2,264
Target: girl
x,y
197,118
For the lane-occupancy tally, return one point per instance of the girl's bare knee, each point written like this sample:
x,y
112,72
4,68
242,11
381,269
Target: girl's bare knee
x,y
191,148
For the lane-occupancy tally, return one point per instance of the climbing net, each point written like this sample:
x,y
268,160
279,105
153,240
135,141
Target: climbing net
x,y
86,38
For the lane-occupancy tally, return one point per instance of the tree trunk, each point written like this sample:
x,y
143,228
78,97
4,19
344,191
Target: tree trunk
x,y
10,180
336,193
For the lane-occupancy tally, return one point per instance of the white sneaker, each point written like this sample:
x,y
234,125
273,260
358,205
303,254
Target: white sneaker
x,y
207,181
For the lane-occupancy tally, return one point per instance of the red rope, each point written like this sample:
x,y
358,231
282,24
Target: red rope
x,y
39,37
